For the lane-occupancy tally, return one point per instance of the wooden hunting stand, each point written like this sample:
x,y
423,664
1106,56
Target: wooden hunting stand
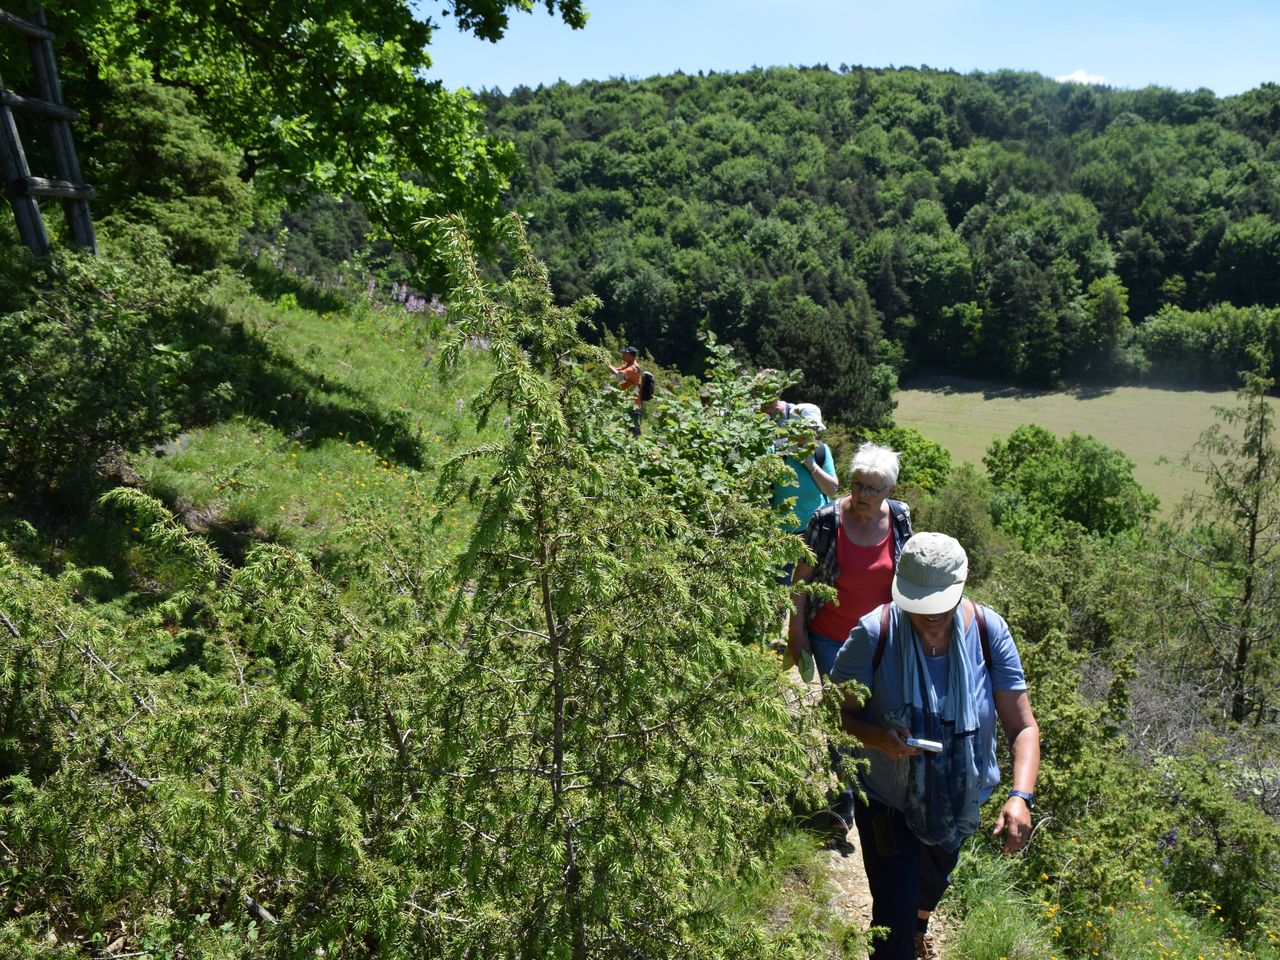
x,y
20,186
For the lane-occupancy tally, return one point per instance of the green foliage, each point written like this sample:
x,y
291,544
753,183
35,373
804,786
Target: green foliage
x,y
1246,258
1045,482
800,334
331,241
88,361
559,736
1210,345
339,751
1108,322
1073,608
606,634
960,508
925,465
709,446
156,163
1228,568
1221,852
332,100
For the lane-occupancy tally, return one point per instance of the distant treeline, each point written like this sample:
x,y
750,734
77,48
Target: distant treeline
x,y
863,224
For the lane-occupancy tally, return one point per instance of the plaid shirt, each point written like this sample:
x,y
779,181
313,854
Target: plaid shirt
x,y
820,538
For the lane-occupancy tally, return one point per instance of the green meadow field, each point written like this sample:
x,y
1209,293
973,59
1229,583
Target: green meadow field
x,y
1155,428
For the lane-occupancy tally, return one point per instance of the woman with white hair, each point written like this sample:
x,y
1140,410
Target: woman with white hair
x,y
856,541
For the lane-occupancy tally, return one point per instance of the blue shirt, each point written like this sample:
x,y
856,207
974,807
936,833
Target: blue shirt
x,y
853,662
809,496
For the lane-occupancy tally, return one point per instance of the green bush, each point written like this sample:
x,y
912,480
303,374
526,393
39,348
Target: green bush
x,y
925,465
545,738
1044,484
154,161
87,361
959,508
1221,850
1207,346
1069,606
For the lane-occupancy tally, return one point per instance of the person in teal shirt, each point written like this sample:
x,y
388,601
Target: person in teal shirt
x,y
815,473
813,467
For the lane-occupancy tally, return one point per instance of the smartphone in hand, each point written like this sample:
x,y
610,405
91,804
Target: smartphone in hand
x,y
931,746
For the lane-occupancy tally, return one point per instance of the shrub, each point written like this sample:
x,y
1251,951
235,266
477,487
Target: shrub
x,y
1207,346
1221,849
925,464
86,359
1045,483
557,745
959,508
155,162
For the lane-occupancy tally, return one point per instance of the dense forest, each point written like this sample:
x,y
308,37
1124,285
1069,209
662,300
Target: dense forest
x,y
865,223
334,622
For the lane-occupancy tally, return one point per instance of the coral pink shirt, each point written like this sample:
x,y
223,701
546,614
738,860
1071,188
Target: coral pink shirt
x,y
866,575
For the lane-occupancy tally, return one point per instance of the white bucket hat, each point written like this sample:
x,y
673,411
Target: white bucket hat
x,y
810,412
931,574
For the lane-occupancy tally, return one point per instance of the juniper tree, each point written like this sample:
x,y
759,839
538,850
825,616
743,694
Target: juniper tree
x,y
625,742
1230,583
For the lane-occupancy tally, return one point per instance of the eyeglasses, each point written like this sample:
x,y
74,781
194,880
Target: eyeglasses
x,y
867,491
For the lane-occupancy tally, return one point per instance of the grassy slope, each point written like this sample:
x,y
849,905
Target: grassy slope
x,y
1155,428
347,409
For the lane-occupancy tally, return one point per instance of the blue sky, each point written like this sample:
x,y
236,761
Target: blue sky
x,y
1228,46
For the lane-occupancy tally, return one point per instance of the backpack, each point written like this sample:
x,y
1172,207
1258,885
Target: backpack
x,y
647,385
828,523
884,635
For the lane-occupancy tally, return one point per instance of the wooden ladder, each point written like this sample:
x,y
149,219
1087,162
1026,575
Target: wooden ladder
x,y
21,188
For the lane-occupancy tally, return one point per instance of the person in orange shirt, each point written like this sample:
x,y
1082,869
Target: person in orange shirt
x,y
628,374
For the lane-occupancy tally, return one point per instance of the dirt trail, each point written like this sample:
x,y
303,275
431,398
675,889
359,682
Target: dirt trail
x,y
846,878
850,896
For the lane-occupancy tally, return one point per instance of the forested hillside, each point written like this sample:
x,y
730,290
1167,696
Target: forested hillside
x,y
870,222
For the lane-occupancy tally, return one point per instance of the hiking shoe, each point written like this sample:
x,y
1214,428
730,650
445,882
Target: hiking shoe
x,y
838,838
925,948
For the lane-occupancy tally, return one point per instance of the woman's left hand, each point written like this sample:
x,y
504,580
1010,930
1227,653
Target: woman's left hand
x,y
1015,823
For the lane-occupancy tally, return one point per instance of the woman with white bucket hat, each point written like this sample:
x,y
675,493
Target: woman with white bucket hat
x,y
940,670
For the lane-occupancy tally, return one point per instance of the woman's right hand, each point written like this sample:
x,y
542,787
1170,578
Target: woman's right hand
x,y
893,743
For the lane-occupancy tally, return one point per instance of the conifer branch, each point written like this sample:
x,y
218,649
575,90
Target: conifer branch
x,y
93,658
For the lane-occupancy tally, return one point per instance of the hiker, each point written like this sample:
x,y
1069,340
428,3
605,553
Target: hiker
x,y
940,669
777,408
855,541
628,374
813,468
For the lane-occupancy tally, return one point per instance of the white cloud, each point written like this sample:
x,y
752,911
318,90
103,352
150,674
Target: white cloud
x,y
1080,76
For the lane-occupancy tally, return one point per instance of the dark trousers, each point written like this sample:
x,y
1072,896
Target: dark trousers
x,y
904,874
635,421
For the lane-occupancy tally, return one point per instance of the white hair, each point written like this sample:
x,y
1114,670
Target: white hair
x,y
876,461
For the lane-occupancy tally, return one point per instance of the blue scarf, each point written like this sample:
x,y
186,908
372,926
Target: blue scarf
x,y
942,790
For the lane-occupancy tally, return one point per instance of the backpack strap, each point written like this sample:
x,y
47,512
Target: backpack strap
x,y
884,635
981,617
827,526
900,516
978,613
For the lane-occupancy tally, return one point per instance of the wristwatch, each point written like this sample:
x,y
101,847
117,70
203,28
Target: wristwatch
x,y
1028,798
